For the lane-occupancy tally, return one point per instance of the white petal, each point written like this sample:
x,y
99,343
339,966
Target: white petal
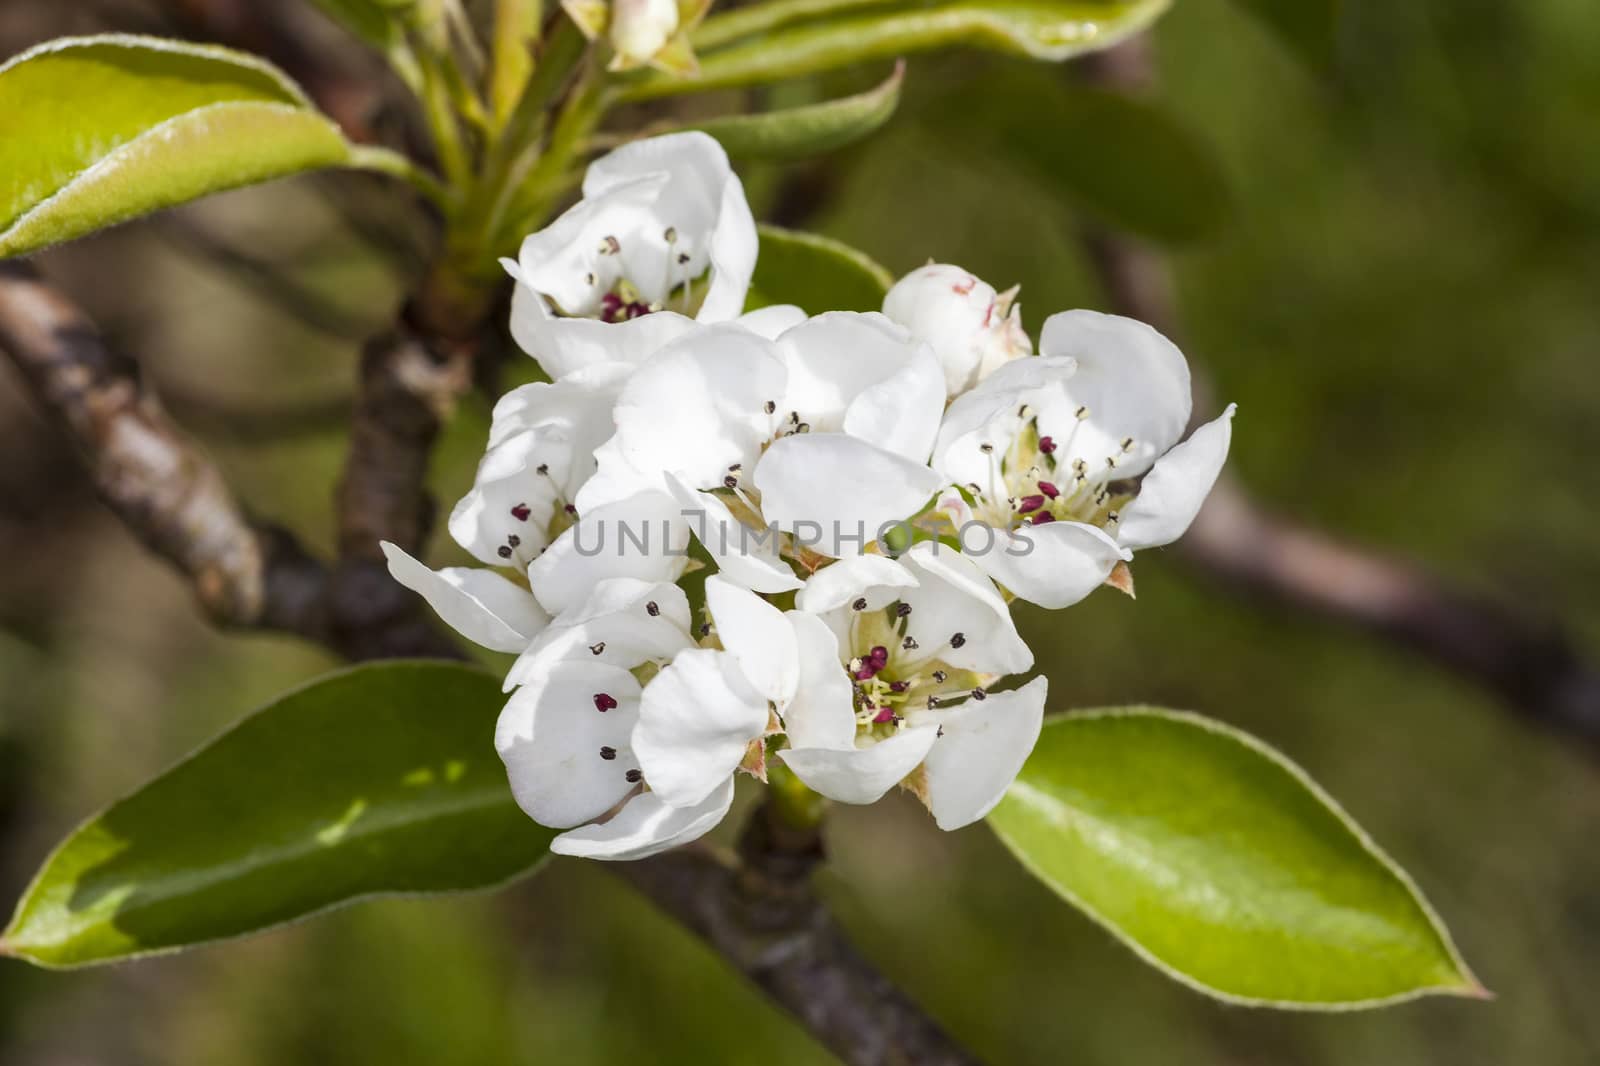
x,y
989,414
821,714
743,555
1134,381
560,263
1053,565
551,736
861,775
953,596
863,374
580,403
901,413
624,622
982,749
771,321
646,826
733,256
696,718
698,407
839,491
481,605
758,636
875,578
641,537
1176,487
565,346
509,498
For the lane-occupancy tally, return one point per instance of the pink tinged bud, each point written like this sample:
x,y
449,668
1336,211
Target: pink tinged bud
x,y
1049,489
1029,504
1047,445
604,702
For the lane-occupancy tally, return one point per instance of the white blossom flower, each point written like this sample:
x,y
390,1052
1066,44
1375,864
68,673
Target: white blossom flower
x,y
662,233
896,685
831,424
541,449
973,329
1066,462
642,32
566,734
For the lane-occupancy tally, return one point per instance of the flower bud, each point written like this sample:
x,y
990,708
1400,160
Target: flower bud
x,y
641,28
972,329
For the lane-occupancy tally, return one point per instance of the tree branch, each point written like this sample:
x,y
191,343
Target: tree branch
x,y
763,915
1531,663
245,574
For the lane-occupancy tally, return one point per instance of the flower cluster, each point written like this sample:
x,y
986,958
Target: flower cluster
x,y
716,538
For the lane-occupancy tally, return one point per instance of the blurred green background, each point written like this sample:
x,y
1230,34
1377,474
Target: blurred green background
x,y
1404,299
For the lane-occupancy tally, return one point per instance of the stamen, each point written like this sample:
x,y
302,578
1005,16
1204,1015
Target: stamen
x,y
503,551
671,235
979,695
940,677
543,469
860,604
521,512
604,701
1043,518
610,246
514,540
597,648
910,644
958,639
1047,445
633,777
902,609
1030,503
986,447
770,406
731,482
652,609
885,715
608,753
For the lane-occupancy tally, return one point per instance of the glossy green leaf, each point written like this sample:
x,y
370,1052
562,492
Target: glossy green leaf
x,y
1126,162
1040,29
1310,27
96,130
1223,864
818,273
751,19
376,780
797,132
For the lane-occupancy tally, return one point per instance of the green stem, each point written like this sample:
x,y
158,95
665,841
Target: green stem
x,y
388,161
550,178
791,800
439,109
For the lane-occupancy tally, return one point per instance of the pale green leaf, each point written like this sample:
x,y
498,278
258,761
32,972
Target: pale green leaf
x,y
96,130
1223,864
817,273
377,780
1040,29
797,132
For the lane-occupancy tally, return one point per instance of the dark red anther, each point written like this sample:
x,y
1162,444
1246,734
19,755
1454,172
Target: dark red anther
x,y
571,510
1047,445
885,714
1042,517
504,551
604,702
521,512
899,686
1049,489
1029,504
878,656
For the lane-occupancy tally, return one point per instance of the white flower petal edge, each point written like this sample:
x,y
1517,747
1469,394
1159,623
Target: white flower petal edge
x,y
696,719
980,752
640,537
481,605
566,749
744,556
821,714
759,638
874,579
1053,565
861,775
846,490
1177,486
646,826
624,622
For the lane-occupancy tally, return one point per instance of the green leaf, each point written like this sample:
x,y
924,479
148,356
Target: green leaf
x,y
1223,864
374,21
818,273
96,130
1040,29
1310,27
797,132
1127,162
376,780
725,26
